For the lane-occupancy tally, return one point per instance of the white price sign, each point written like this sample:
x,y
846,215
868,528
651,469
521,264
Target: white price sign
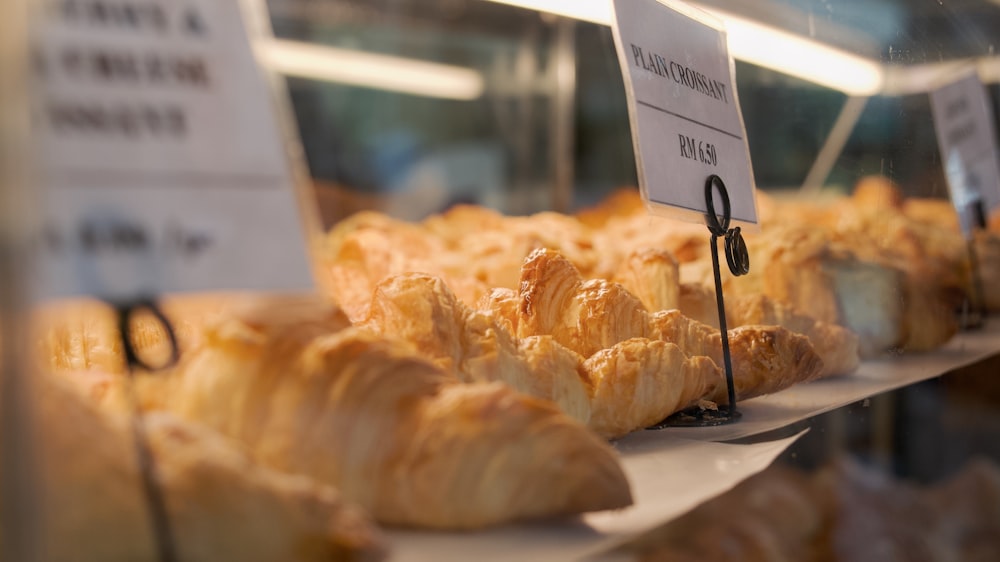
x,y
159,153
967,141
686,120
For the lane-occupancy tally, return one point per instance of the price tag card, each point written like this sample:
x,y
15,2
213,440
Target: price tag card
x,y
686,120
967,141
159,154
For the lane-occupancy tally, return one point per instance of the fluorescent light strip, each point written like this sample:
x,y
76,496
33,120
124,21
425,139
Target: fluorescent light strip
x,y
598,12
803,58
756,43
369,70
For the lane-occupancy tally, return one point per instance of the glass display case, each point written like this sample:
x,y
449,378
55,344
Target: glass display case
x,y
499,319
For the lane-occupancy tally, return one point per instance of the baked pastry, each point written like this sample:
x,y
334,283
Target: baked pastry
x,y
765,359
829,283
221,506
82,334
628,386
585,316
305,394
588,316
422,312
364,249
622,202
639,382
835,345
653,276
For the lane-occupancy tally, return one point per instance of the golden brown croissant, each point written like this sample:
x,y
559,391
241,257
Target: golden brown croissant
x,y
651,274
623,202
500,305
765,359
836,346
829,283
585,316
596,314
621,389
369,246
81,335
653,277
422,311
396,434
221,506
639,382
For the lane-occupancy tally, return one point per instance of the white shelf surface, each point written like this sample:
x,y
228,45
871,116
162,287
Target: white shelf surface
x,y
669,476
804,401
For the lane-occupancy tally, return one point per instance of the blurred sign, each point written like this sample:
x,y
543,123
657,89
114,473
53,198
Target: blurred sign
x,y
686,120
967,140
160,157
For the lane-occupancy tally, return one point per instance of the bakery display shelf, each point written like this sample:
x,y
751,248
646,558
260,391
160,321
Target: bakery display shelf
x,y
804,401
674,470
669,476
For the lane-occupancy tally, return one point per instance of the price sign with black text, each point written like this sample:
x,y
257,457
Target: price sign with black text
x,y
967,141
685,116
160,157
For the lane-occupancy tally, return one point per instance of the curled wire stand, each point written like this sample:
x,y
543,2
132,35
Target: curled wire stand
x,y
166,550
974,309
738,260
973,312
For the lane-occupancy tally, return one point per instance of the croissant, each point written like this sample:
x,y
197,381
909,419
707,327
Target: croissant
x,y
836,346
83,335
585,316
765,359
639,382
220,505
829,283
621,389
623,202
598,314
653,277
422,311
500,305
399,436
495,245
369,246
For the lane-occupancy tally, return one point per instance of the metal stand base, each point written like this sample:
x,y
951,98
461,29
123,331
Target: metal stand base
x,y
699,417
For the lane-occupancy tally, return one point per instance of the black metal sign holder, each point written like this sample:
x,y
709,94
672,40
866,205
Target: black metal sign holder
x,y
974,310
738,260
155,501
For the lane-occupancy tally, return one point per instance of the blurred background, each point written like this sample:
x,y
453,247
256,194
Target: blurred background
x,y
437,102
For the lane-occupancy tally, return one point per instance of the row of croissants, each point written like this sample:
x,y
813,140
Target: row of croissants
x,y
465,371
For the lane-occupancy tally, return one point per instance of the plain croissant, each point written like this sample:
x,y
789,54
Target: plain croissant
x,y
393,432
765,359
626,387
221,505
584,315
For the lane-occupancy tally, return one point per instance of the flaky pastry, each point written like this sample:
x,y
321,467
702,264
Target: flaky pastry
x,y
220,504
397,435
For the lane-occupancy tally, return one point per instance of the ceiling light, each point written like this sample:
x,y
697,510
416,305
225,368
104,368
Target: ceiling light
x,y
754,42
369,70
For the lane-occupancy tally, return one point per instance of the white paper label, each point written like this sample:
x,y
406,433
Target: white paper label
x,y
159,153
967,141
686,121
